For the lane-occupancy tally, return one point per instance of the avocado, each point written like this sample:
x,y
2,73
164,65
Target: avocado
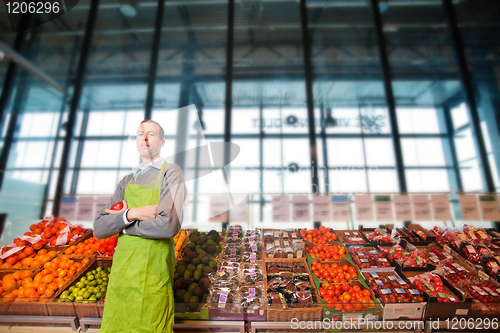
x,y
195,261
199,292
190,246
180,270
210,242
205,260
181,263
204,247
206,285
187,296
202,281
179,293
187,283
200,267
194,301
208,269
188,274
201,241
178,283
176,276
197,275
192,287
200,251
213,264
218,249
195,239
191,267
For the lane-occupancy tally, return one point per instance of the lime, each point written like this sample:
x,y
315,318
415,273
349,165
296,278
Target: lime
x,y
99,281
71,298
71,289
90,277
65,293
81,292
84,278
80,285
79,299
86,295
99,294
98,269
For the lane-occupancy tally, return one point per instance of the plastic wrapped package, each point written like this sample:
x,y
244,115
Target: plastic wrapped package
x,y
251,274
231,252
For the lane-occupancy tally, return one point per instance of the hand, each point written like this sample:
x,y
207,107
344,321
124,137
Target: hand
x,y
142,213
111,211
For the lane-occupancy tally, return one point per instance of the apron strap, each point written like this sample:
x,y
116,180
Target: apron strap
x,y
159,175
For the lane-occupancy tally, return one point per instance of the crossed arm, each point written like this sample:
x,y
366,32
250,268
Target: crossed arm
x,y
154,221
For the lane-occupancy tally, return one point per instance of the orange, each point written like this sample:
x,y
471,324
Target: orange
x,y
27,280
48,279
25,274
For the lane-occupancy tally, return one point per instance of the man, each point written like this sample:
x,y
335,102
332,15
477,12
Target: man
x,y
140,297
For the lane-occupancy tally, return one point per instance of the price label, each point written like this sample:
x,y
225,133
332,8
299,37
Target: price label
x,y
364,208
218,208
300,208
489,208
340,208
441,208
68,208
281,208
85,209
321,208
402,207
422,208
469,208
383,207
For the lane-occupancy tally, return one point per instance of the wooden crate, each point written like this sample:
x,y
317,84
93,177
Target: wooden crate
x,y
303,312
12,271
79,310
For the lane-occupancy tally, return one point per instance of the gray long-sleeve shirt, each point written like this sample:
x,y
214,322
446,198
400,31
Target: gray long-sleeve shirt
x,y
169,219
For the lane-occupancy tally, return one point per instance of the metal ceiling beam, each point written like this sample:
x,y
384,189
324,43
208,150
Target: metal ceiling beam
x,y
30,67
153,64
308,71
389,94
75,103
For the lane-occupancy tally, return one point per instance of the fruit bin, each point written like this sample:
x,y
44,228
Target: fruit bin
x,y
340,263
79,310
373,312
88,234
430,238
312,312
443,310
398,263
350,237
5,272
37,307
387,228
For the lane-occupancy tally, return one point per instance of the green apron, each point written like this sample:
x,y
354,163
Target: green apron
x,y
140,296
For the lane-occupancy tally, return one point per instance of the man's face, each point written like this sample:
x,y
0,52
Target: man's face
x,y
149,142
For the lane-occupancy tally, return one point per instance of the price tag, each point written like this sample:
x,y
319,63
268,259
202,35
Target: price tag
x,y
239,212
441,208
483,275
281,208
422,208
68,208
85,209
379,282
402,207
469,208
383,208
364,208
321,208
300,208
447,249
340,208
489,208
218,208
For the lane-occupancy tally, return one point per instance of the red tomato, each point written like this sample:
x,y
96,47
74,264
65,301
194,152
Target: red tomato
x,y
117,206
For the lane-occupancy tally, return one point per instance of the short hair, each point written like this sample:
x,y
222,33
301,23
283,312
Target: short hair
x,y
162,132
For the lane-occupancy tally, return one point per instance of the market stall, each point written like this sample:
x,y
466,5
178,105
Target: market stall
x,y
235,277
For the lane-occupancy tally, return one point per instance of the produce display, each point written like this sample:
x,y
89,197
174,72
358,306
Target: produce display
x,y
320,236
103,247
433,285
266,274
334,273
48,281
392,288
366,258
191,282
48,232
89,289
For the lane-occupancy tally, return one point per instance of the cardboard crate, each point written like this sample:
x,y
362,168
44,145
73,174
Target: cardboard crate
x,y
430,237
371,313
364,231
341,236
398,264
368,248
340,263
443,310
